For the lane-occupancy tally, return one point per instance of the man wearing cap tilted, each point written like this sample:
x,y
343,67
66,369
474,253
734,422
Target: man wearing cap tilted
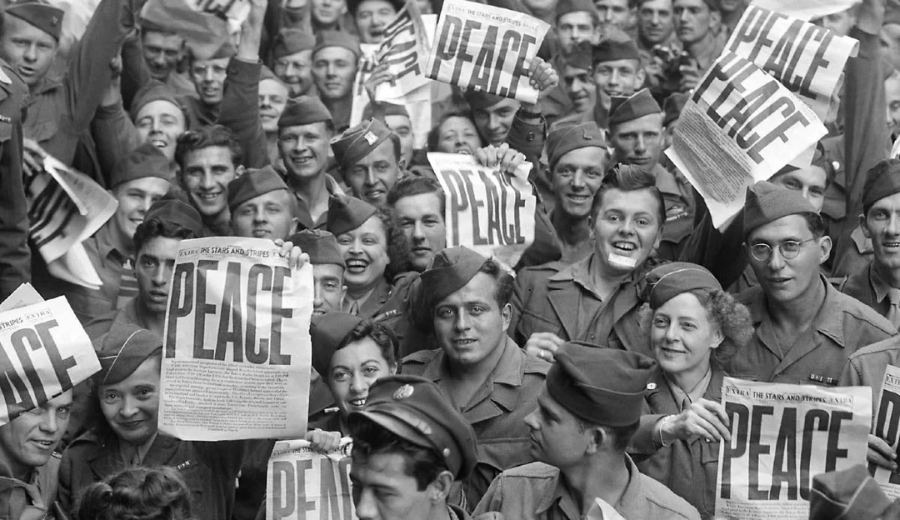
x,y
698,26
397,119
60,108
587,413
292,53
410,444
805,329
464,300
493,115
596,299
304,136
328,268
578,80
578,159
138,180
369,157
166,224
261,205
636,135
334,59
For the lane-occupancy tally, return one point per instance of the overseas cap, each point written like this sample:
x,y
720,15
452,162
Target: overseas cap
x,y
851,494
479,100
327,39
617,46
390,109
580,57
882,180
639,104
574,6
359,141
767,202
600,385
122,350
144,161
292,41
320,245
252,184
419,411
347,213
177,212
153,91
304,110
673,106
327,332
669,280
564,139
39,14
450,270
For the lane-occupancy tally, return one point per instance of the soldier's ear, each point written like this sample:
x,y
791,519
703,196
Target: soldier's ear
x,y
439,489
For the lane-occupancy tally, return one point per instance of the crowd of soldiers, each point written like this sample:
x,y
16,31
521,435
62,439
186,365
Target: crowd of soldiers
x,y
588,375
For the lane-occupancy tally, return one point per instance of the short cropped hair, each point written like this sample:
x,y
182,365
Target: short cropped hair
x,y
208,137
370,439
150,229
411,186
629,179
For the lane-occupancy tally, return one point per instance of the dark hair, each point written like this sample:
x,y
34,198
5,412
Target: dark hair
x,y
383,336
370,439
208,137
397,246
411,186
93,412
504,280
595,17
621,434
150,229
629,178
434,135
138,493
731,317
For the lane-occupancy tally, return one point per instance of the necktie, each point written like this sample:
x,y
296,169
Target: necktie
x,y
893,314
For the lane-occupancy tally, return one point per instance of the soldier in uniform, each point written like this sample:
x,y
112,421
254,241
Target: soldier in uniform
x,y
411,441
464,300
369,158
587,412
15,256
261,205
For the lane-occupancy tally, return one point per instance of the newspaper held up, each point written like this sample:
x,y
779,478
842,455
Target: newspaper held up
x,y
807,59
237,352
486,48
487,210
740,126
44,351
806,9
782,436
302,483
887,427
405,51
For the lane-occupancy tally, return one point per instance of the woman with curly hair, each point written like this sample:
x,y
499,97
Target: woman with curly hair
x,y
694,328
137,494
374,250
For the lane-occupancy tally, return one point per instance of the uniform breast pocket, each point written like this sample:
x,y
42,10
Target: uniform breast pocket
x,y
709,465
42,130
532,322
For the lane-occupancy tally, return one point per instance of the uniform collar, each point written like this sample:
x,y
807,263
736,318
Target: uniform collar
x,y
106,245
829,321
632,504
879,285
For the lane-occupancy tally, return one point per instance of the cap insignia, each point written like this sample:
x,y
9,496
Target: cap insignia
x,y
370,138
403,392
586,136
651,386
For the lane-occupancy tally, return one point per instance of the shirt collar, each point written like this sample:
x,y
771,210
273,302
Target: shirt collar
x,y
580,273
828,322
106,246
508,372
880,286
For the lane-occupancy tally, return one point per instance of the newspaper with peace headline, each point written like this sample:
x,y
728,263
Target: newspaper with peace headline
x,y
782,436
302,483
887,426
758,108
486,48
44,351
806,9
237,350
65,207
487,210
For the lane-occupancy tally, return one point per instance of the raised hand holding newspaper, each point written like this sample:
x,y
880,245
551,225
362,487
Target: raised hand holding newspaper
x,y
782,436
486,48
237,351
404,50
302,483
487,210
44,352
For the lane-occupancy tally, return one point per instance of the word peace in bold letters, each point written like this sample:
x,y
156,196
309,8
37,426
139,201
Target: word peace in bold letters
x,y
27,344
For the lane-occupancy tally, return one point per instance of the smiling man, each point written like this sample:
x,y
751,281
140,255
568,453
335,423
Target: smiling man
x,y
579,83
29,463
138,180
261,205
697,24
166,224
335,58
372,17
292,53
328,268
587,413
304,134
369,156
210,158
419,203
464,300
805,329
492,115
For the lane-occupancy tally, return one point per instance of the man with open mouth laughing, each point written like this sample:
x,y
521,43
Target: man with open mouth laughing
x,y
464,300
369,156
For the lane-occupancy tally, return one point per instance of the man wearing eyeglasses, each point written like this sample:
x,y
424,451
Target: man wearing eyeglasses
x,y
805,329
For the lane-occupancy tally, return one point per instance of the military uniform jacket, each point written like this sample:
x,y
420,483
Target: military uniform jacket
x,y
209,468
547,299
536,492
842,326
30,500
689,469
862,286
15,256
497,411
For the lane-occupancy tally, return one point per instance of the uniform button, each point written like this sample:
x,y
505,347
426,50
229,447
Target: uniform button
x,y
592,336
530,136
